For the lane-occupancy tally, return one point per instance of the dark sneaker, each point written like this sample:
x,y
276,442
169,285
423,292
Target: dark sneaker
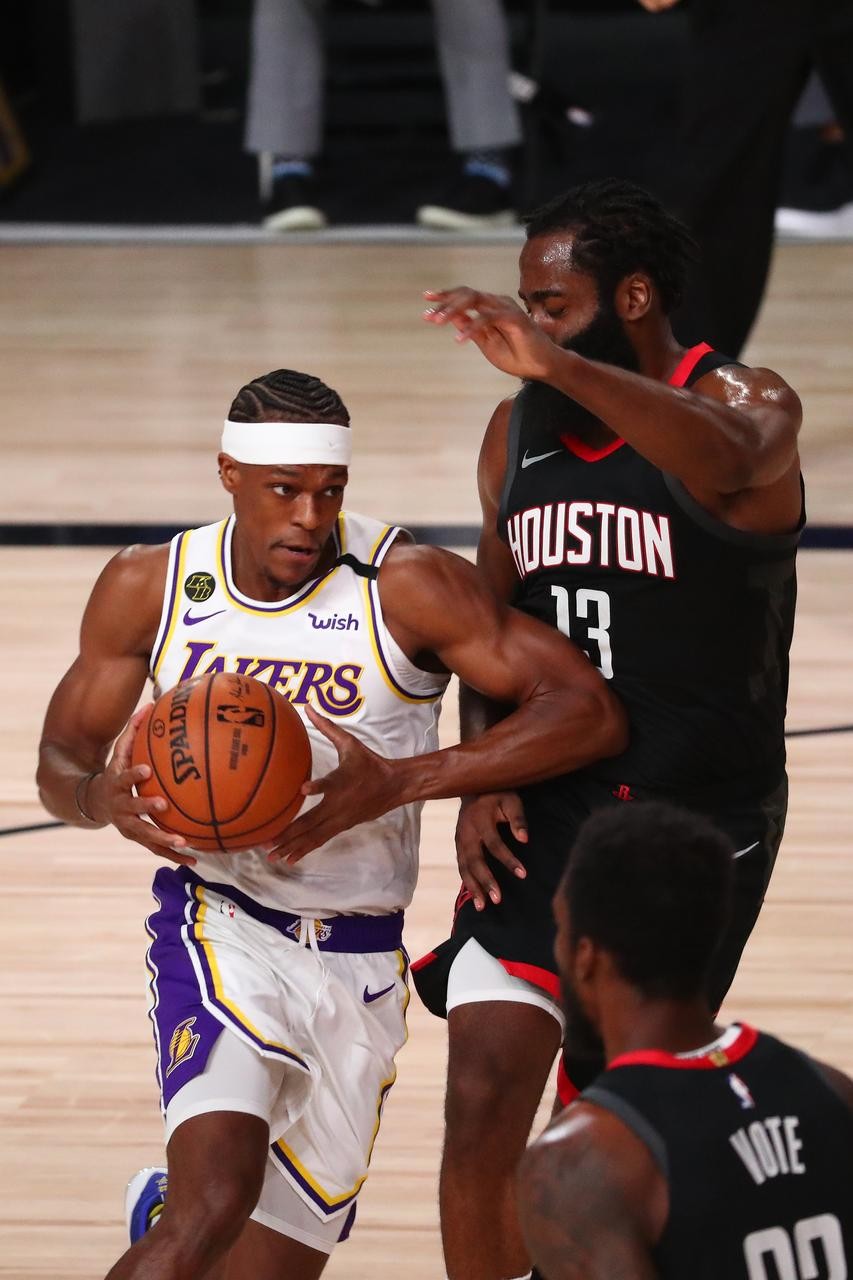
x,y
474,203
293,205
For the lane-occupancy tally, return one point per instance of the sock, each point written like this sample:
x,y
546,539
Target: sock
x,y
292,167
492,165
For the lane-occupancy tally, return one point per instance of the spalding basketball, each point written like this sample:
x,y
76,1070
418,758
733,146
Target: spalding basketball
x,y
229,755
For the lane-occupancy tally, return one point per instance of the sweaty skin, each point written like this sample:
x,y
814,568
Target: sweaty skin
x,y
565,716
731,439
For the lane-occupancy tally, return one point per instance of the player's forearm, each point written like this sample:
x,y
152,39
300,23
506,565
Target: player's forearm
x,y
699,440
555,732
64,781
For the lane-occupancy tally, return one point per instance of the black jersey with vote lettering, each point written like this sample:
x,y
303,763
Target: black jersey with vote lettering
x,y
689,620
757,1150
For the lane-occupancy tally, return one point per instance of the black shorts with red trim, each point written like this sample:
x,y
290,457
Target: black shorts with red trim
x,y
520,931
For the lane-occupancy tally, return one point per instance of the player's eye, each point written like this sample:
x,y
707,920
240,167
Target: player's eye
x,y
334,490
283,490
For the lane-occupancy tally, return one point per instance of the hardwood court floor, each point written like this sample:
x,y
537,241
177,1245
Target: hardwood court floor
x,y
118,367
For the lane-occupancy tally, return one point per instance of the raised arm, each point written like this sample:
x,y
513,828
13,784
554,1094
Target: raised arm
x,y
734,432
94,701
591,1200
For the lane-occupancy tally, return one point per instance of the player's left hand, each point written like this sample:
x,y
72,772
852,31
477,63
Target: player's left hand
x,y
505,334
364,786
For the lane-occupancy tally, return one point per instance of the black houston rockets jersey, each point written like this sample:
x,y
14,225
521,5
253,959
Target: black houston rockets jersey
x,y
757,1150
688,619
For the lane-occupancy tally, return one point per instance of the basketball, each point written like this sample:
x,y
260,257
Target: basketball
x,y
229,755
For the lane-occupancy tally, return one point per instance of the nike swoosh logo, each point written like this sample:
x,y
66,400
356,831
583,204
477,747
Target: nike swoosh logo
x,y
370,996
741,852
539,457
190,621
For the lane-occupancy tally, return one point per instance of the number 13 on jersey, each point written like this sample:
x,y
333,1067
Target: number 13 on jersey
x,y
592,607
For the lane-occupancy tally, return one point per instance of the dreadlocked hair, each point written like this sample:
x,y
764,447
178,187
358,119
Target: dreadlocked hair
x,y
287,396
618,228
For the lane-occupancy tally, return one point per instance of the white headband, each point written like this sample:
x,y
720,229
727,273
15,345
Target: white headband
x,y
297,444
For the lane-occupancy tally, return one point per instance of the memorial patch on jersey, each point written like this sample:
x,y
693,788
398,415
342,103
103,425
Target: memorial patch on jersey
x,y
199,587
599,534
334,687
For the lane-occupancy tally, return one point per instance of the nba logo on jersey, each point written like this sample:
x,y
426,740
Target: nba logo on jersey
x,y
741,1092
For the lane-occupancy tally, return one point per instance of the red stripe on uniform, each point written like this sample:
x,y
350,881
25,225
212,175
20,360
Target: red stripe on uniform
x,y
566,1091
584,452
423,962
532,973
688,363
712,1061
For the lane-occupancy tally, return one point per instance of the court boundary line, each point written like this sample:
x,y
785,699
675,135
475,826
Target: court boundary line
x,y
815,537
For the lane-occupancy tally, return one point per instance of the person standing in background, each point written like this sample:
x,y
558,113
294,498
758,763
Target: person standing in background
x,y
747,62
285,111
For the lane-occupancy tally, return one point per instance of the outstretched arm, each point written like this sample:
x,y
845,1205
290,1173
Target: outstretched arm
x,y
736,431
436,605
591,1200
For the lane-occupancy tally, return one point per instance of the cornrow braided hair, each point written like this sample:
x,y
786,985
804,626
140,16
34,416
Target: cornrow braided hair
x,y
618,228
287,396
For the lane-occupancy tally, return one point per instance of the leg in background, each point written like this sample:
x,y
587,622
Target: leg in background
x,y
500,1056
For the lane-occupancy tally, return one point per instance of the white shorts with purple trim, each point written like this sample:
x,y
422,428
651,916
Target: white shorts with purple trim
x,y
322,1002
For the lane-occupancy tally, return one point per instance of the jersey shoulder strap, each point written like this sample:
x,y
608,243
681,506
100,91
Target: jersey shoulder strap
x,y
625,1111
697,361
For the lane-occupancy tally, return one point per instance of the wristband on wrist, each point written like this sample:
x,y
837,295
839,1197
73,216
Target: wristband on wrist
x,y
85,781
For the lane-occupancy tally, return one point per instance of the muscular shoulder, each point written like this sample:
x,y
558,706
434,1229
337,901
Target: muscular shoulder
x,y
414,577
126,601
746,388
600,1174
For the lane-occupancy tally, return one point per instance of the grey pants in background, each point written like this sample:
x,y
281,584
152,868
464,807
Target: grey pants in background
x,y
285,107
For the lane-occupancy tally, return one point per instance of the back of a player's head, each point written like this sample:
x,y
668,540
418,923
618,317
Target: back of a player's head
x,y
287,396
651,885
618,227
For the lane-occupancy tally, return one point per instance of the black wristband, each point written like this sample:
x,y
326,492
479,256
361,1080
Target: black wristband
x,y
84,782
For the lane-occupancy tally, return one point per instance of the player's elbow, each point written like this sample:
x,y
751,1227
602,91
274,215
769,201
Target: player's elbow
x,y
601,723
610,724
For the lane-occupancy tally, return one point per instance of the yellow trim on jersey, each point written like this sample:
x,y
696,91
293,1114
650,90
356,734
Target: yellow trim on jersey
x,y
384,1089
176,604
273,610
416,699
239,1017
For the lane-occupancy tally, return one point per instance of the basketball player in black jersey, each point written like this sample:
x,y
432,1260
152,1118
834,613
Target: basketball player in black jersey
x,y
647,501
701,1151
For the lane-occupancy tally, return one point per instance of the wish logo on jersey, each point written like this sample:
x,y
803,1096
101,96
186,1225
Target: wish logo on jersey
x,y
336,689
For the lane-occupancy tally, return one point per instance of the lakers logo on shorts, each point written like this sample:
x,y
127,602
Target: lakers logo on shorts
x,y
182,1045
322,930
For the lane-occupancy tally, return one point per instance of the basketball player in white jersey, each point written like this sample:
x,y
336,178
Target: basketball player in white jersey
x,y
279,987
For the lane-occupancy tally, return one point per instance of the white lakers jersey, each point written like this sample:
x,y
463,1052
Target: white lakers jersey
x,y
327,644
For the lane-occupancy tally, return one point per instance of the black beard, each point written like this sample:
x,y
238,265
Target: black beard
x,y
582,1040
603,339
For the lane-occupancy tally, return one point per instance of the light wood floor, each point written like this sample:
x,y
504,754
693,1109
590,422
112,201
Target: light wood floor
x,y
117,368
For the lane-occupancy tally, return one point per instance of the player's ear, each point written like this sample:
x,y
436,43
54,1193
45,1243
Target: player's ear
x,y
584,961
229,473
634,294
